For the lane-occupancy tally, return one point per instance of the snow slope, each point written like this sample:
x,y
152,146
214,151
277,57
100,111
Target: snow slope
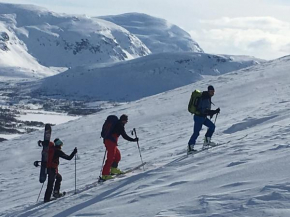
x,y
158,34
247,177
62,40
140,77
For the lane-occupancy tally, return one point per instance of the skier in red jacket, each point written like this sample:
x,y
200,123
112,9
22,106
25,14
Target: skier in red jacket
x,y
113,153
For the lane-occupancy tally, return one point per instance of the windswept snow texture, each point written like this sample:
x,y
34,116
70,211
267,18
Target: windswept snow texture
x,y
246,177
158,34
62,40
139,78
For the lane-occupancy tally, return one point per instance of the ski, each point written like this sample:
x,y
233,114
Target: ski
x,y
201,150
207,148
44,153
125,172
135,168
218,144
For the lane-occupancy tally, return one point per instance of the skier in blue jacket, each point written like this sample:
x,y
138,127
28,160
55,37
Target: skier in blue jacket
x,y
204,109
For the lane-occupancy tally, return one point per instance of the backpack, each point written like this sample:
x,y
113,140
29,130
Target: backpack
x,y
193,102
50,153
108,126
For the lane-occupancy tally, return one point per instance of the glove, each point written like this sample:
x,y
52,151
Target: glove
x,y
217,111
136,139
75,151
211,113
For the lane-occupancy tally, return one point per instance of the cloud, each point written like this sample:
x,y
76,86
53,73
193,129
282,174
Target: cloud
x,y
267,23
259,44
286,48
264,37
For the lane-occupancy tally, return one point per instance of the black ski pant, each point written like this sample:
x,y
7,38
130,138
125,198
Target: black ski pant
x,y
53,175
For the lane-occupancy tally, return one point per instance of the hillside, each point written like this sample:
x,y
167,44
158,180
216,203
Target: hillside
x,y
142,77
246,177
61,40
15,61
157,34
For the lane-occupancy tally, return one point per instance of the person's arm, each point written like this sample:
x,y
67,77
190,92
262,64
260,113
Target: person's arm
x,y
211,113
64,156
125,136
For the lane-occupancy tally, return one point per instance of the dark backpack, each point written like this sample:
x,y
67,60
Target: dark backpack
x,y
108,126
192,105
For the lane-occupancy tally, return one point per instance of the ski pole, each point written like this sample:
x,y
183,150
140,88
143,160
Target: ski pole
x,y
39,192
216,117
75,174
134,130
103,163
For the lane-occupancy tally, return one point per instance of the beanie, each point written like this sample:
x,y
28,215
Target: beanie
x,y
210,87
58,142
124,117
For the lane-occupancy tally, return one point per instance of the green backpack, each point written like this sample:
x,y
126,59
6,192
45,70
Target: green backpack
x,y
193,102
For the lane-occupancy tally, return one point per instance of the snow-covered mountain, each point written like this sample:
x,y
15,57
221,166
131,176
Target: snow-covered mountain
x,y
35,42
146,76
15,61
158,34
62,40
246,177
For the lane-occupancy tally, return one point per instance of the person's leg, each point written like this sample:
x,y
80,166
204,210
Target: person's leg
x,y
211,127
58,179
114,168
198,121
117,156
50,182
111,152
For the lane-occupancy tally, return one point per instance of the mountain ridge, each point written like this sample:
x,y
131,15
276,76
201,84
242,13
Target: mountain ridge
x,y
157,34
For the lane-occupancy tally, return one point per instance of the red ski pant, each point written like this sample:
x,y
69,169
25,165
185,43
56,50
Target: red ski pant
x,y
113,156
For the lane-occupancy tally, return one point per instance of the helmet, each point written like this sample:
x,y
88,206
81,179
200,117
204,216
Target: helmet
x,y
58,142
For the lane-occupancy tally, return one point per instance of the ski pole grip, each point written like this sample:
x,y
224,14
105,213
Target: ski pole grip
x,y
134,130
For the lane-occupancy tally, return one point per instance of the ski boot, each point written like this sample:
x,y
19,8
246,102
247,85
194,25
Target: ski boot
x,y
105,178
57,194
116,171
208,143
190,149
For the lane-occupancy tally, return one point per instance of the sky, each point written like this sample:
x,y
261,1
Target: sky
x,y
259,28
